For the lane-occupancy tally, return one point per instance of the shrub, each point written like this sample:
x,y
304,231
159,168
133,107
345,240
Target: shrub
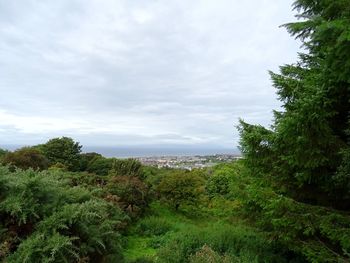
x,y
131,191
126,167
44,219
181,188
225,240
99,165
207,255
26,158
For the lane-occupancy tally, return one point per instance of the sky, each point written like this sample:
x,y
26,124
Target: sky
x,y
139,72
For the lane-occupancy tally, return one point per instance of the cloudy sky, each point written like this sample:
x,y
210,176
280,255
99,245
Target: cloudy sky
x,y
139,72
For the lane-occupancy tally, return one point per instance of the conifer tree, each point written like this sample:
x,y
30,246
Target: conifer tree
x,y
306,152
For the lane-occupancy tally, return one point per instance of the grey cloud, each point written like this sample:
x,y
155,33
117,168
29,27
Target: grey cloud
x,y
178,72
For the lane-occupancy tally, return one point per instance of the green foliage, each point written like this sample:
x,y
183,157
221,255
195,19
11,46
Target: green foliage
x,y
298,183
218,184
154,226
99,165
221,242
131,193
26,158
126,167
319,233
302,150
62,150
44,219
3,153
85,159
181,188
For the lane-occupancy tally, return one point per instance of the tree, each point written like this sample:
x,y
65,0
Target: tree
x,y
299,167
62,150
25,158
304,148
181,187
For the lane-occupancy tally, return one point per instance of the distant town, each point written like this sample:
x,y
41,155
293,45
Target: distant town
x,y
188,162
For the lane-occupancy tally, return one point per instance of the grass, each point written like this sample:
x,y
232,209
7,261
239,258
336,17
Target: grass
x,y
138,247
144,243
167,236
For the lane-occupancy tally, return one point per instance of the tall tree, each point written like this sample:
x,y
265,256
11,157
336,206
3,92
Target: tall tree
x,y
307,150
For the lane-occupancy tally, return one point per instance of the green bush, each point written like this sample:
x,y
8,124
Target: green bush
x,y
26,158
181,187
225,240
44,219
99,165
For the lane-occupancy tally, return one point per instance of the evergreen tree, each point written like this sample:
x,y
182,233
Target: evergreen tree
x,y
306,151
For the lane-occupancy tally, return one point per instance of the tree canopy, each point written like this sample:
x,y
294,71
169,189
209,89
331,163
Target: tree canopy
x,y
62,150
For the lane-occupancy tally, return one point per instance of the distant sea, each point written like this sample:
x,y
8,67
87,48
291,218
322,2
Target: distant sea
x,y
133,151
125,152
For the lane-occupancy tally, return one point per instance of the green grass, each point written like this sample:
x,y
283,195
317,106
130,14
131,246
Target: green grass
x,y
138,247
141,245
168,236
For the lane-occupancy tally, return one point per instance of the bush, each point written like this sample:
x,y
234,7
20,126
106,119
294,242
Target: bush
x,y
207,255
126,167
44,219
26,158
131,191
236,242
99,165
181,188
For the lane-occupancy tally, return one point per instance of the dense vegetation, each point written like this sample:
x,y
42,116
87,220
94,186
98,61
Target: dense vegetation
x,y
288,200
300,185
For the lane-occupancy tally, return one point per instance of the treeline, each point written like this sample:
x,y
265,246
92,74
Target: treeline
x,y
65,154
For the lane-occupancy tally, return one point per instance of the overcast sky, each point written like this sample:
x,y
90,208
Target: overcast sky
x,y
139,72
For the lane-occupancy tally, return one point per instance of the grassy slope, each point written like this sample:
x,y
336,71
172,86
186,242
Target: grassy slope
x,y
143,246
146,246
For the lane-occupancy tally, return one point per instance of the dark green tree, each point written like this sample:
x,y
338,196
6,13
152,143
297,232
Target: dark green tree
x,y
307,149
299,167
62,150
